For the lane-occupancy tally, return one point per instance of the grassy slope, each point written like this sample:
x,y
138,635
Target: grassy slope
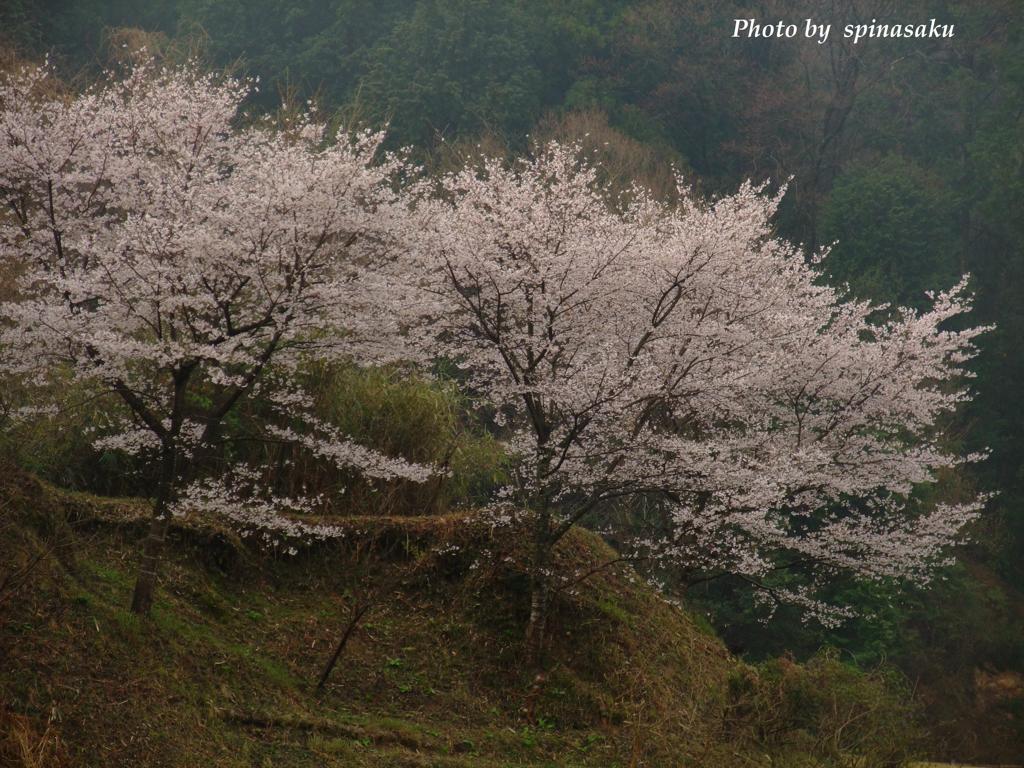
x,y
222,675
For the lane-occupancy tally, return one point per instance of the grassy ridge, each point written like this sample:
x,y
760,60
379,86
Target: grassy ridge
x,y
224,672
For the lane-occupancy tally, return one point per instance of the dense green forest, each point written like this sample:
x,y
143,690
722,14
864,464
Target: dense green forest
x,y
907,155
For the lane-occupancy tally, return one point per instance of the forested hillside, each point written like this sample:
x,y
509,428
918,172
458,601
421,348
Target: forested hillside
x,y
902,159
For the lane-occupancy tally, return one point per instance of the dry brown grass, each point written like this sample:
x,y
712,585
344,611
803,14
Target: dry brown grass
x,y
25,743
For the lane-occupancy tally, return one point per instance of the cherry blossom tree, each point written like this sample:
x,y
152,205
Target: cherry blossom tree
x,y
681,353
183,262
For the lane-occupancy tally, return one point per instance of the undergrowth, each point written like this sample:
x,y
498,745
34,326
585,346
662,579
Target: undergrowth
x,y
223,673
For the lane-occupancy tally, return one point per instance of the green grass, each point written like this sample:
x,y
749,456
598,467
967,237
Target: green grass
x,y
223,672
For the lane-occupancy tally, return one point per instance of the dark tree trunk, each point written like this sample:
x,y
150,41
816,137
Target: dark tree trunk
x,y
152,548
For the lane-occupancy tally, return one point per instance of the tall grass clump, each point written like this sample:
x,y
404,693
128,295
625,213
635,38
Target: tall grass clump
x,y
825,708
422,420
419,419
55,441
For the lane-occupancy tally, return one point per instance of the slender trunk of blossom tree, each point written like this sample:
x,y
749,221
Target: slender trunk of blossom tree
x,y
539,592
540,589
152,548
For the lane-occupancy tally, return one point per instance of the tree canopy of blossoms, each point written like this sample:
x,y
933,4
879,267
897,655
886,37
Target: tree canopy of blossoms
x,y
183,259
681,352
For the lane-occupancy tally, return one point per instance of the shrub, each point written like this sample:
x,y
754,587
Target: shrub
x,y
826,710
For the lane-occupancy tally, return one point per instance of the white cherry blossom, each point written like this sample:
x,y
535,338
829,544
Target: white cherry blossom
x,y
683,353
165,247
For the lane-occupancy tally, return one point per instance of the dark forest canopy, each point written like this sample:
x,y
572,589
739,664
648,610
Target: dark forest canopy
x,y
907,153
